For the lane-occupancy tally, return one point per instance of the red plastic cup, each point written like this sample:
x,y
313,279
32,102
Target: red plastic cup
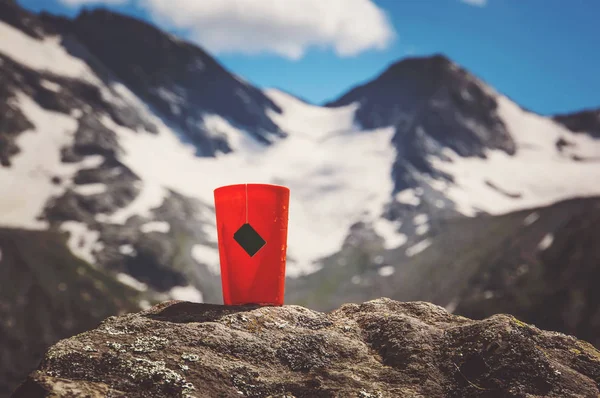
x,y
252,223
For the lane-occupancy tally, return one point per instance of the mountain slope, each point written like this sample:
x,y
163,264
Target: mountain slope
x,y
179,80
587,121
540,265
433,141
59,102
47,294
446,121
123,172
555,286
436,95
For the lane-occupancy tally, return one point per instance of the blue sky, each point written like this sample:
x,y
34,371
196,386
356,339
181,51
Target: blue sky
x,y
544,54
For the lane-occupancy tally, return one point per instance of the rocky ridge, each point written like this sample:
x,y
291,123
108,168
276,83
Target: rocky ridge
x,y
381,348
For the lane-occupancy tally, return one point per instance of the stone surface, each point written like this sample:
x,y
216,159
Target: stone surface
x,y
381,348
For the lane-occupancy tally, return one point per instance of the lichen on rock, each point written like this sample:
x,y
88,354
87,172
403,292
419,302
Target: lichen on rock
x,y
381,348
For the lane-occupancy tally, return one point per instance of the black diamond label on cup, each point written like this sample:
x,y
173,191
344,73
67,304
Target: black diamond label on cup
x,y
249,239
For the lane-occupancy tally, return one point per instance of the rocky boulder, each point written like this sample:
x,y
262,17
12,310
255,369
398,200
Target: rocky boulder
x,y
381,348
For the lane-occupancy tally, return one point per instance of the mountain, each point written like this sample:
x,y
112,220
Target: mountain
x,y
538,264
177,79
442,115
46,294
434,95
115,134
587,121
433,141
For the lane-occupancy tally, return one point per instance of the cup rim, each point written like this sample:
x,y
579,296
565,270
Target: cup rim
x,y
273,186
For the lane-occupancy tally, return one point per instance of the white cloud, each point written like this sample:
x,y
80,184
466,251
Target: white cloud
x,y
283,27
77,3
477,3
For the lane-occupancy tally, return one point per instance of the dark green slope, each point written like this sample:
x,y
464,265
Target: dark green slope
x,y
481,266
47,294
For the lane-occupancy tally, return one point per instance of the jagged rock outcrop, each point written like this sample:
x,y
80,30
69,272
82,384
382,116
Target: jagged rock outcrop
x,y
433,104
381,348
586,121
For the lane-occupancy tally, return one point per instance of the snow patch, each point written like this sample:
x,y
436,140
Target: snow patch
x,y
386,271
90,189
408,197
156,226
236,138
210,229
438,185
420,219
98,246
81,240
119,93
31,172
91,161
538,172
311,121
150,197
208,256
388,230
530,219
422,229
317,161
169,95
546,242
186,293
127,250
132,282
418,248
48,85
46,55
